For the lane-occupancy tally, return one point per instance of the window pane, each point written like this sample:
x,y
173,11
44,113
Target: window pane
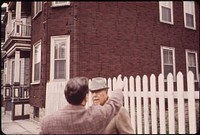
x,y
60,69
62,51
189,20
168,58
36,71
60,47
167,69
193,69
166,14
37,56
13,71
191,59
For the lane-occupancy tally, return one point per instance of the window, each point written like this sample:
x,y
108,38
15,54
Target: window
x,y
12,72
36,62
167,61
189,14
5,72
166,12
37,7
191,63
60,3
59,57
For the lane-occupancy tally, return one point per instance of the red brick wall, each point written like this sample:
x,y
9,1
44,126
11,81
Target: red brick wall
x,y
111,38
125,37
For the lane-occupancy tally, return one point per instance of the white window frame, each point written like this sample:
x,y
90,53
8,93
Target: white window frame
x,y
167,4
189,8
33,62
162,61
5,72
36,4
196,62
66,38
63,3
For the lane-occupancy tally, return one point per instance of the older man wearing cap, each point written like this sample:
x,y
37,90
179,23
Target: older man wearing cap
x,y
121,123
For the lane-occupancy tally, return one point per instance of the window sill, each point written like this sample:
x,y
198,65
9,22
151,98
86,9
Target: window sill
x,y
191,28
60,5
166,22
35,83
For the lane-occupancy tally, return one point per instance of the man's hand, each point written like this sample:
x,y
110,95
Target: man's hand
x,y
119,83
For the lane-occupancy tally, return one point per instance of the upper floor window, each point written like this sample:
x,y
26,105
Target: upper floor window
x,y
36,62
191,63
60,57
167,61
166,12
189,14
37,7
60,3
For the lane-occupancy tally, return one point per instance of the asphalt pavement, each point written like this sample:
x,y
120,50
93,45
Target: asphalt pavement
x,y
15,127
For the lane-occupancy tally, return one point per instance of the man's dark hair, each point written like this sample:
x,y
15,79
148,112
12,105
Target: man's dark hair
x,y
76,90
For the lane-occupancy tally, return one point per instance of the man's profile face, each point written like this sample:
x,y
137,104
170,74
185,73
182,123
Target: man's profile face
x,y
99,97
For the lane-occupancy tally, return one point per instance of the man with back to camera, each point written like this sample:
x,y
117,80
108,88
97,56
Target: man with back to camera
x,y
121,123
74,118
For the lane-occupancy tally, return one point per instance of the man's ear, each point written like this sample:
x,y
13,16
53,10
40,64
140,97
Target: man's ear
x,y
107,91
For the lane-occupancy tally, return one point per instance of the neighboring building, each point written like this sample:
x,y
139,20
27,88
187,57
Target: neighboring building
x,y
3,11
109,38
17,49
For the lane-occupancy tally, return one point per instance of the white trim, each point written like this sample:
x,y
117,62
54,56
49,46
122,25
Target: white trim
x,y
11,70
186,9
67,40
186,54
38,43
164,4
22,71
17,45
36,13
35,83
162,61
54,4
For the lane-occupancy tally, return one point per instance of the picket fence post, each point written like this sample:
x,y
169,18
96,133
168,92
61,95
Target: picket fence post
x,y
153,104
181,109
146,104
191,103
162,104
138,103
170,89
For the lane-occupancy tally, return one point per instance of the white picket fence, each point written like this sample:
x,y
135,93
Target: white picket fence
x,y
152,110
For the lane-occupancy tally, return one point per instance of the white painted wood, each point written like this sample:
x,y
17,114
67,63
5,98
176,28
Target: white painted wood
x,y
55,91
153,104
132,103
161,104
170,87
181,110
146,104
139,107
126,93
114,83
191,103
110,86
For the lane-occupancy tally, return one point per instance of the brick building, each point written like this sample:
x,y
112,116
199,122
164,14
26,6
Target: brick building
x,y
92,39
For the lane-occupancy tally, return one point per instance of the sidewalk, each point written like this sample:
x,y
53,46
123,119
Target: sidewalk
x,y
26,126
